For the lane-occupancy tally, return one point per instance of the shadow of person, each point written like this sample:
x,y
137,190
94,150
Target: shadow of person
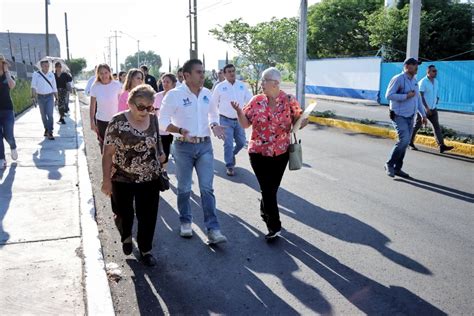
x,y
338,225
440,189
193,279
6,196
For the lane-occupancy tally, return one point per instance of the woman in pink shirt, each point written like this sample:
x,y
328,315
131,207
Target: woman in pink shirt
x,y
169,82
134,78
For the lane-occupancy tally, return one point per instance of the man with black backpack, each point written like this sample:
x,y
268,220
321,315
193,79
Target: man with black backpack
x,y
44,92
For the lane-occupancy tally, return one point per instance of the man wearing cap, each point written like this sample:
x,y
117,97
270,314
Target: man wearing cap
x,y
429,88
44,90
405,101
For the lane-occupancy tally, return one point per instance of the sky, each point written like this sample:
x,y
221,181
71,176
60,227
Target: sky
x,y
161,26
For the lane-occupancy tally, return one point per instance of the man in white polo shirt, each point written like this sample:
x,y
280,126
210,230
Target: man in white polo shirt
x,y
187,111
429,88
44,90
225,92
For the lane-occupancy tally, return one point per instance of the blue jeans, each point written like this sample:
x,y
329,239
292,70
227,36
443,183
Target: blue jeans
x,y
233,131
46,106
200,156
7,120
404,127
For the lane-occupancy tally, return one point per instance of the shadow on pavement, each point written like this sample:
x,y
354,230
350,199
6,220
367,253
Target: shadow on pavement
x,y
6,195
437,188
338,225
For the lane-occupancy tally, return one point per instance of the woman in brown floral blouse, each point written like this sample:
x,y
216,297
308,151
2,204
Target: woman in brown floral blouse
x,y
131,168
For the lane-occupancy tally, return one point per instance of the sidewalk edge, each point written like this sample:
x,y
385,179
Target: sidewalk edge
x,y
97,290
462,149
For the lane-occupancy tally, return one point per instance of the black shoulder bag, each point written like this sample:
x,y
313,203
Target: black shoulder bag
x,y
163,179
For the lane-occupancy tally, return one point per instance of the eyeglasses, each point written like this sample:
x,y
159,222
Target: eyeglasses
x,y
267,80
148,108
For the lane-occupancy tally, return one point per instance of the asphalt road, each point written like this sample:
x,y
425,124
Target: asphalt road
x,y
355,241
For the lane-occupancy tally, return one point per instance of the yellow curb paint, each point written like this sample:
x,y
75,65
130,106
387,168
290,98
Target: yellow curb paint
x,y
429,141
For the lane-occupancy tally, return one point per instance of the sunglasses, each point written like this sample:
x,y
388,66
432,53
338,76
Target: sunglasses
x,y
148,108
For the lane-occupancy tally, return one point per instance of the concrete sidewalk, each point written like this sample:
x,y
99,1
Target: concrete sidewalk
x,y
46,227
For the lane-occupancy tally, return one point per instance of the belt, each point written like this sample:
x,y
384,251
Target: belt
x,y
194,139
233,119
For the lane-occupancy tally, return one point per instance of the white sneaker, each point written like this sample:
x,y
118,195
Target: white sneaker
x,y
215,237
3,164
186,230
14,154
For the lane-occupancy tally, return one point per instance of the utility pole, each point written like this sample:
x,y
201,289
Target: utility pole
x,y
301,61
21,51
67,35
193,44
116,54
29,54
413,38
203,62
34,54
46,3
169,64
226,57
10,41
138,53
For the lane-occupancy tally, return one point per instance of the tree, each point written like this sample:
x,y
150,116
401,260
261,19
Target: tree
x,y
334,28
150,58
76,65
263,45
445,30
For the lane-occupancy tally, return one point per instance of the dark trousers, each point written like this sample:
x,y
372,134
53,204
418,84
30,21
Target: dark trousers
x,y
433,118
166,140
63,100
269,172
102,127
146,197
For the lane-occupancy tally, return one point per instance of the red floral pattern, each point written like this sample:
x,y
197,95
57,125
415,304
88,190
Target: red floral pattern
x,y
271,127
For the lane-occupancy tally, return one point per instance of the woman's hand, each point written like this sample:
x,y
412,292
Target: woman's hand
x,y
162,158
94,128
107,187
235,106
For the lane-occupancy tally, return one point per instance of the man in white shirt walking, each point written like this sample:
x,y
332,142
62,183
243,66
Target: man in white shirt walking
x,y
44,90
429,91
187,111
225,92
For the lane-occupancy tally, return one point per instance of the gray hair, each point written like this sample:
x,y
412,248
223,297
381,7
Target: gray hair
x,y
272,74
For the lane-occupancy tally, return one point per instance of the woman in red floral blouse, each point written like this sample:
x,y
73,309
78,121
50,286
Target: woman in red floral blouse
x,y
271,116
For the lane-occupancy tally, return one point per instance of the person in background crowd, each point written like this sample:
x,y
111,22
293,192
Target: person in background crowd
x,y
104,98
44,90
169,82
7,115
187,111
405,101
271,115
115,77
134,78
220,77
130,164
224,93
149,79
122,76
62,80
429,89
90,82
160,83
180,77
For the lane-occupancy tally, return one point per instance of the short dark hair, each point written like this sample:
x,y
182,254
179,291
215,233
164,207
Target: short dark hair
x,y
170,76
227,67
58,64
431,66
180,69
188,66
144,67
122,73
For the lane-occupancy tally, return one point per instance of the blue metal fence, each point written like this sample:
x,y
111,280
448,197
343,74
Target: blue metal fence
x,y
456,82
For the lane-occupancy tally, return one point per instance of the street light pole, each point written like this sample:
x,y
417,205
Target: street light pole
x,y
413,39
138,53
10,41
301,72
46,3
67,35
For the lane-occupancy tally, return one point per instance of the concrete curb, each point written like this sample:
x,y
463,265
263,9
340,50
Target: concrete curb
x,y
462,149
97,290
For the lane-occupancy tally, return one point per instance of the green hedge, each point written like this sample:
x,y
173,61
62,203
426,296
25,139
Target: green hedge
x,y
21,95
